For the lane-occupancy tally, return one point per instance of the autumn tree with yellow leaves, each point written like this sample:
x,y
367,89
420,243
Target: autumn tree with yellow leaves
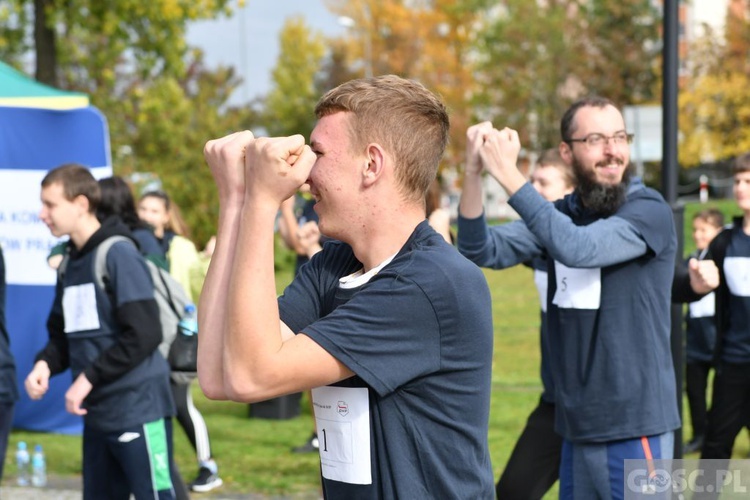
x,y
430,41
714,105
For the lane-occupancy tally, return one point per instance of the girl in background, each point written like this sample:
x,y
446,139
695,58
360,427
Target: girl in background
x,y
156,208
117,200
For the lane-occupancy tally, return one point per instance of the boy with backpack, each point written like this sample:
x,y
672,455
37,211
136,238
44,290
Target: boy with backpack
x,y
109,338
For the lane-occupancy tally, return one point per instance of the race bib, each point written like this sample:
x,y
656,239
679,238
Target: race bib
x,y
342,416
540,280
737,273
577,288
704,308
79,308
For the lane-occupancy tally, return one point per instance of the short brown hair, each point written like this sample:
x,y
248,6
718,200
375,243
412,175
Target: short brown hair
x,y
551,158
741,164
403,116
711,216
76,180
567,124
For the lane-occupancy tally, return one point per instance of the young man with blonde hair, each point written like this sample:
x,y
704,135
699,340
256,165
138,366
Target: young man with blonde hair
x,y
388,325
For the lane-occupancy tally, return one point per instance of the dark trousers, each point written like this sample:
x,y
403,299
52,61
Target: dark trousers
x,y
730,410
116,464
696,383
534,465
6,421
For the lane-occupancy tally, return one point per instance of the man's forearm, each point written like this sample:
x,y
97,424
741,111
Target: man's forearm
x,y
212,310
471,205
252,333
606,242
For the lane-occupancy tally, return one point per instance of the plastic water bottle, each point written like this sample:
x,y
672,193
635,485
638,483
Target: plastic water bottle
x,y
38,467
22,464
189,321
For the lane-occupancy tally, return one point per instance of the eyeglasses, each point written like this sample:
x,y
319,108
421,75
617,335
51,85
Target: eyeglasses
x,y
598,140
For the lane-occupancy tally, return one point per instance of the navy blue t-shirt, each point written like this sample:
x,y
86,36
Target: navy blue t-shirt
x,y
418,336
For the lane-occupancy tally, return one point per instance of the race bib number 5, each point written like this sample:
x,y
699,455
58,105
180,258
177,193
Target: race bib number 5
x,y
342,416
577,288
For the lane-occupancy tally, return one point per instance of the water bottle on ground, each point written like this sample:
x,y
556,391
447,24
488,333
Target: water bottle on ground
x,y
38,467
22,464
189,321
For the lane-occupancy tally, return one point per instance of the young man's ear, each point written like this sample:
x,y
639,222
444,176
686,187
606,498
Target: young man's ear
x,y
374,164
82,202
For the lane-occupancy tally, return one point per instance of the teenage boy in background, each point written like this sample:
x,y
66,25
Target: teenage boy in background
x,y
109,339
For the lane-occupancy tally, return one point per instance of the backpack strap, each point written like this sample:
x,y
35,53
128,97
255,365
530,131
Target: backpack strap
x,y
160,272
102,276
100,259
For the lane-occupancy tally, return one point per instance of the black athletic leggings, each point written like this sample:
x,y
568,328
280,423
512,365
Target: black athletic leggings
x,y
191,419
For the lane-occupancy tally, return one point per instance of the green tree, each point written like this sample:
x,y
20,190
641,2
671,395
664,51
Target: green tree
x,y
166,123
161,103
290,103
537,57
622,52
14,21
526,69
90,45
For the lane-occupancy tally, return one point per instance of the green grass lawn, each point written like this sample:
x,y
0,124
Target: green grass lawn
x,y
254,454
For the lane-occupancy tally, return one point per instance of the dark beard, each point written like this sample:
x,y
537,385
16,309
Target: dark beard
x,y
602,199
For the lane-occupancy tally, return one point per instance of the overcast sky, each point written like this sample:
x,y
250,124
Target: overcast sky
x,y
249,41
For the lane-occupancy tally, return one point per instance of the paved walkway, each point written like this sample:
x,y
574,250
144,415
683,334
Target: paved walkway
x,y
70,489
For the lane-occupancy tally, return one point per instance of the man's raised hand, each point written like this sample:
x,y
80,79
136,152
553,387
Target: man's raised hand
x,y
226,159
275,167
474,138
704,275
499,156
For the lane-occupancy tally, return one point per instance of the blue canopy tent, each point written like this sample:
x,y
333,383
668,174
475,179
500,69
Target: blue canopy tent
x,y
40,128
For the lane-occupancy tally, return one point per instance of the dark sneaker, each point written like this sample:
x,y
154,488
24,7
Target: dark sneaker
x,y
206,481
310,446
695,445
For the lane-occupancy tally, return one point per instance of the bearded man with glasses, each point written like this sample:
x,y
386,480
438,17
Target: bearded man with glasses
x,y
610,247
